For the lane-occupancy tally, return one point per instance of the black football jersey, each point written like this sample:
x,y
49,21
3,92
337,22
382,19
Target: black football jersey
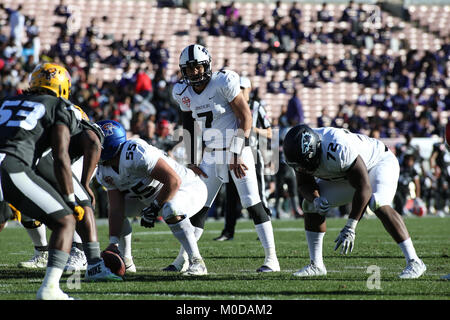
x,y
26,122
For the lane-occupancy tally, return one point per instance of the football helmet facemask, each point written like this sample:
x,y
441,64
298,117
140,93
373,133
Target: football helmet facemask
x,y
192,56
115,135
53,77
302,149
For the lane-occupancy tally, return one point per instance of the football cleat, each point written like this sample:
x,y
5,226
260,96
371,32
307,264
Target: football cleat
x,y
311,270
51,293
99,272
270,265
413,270
77,261
197,267
129,265
223,237
38,261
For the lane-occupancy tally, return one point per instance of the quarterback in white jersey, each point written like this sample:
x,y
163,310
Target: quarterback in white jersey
x,y
335,167
142,180
214,101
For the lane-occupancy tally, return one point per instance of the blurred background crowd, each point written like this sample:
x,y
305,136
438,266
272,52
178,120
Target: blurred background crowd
x,y
402,88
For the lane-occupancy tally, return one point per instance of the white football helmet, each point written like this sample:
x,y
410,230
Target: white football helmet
x,y
191,56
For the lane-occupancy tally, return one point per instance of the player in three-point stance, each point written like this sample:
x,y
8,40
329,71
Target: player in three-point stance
x,y
335,167
141,179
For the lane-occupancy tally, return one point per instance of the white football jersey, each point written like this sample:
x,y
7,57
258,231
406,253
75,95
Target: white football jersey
x,y
340,148
137,160
212,106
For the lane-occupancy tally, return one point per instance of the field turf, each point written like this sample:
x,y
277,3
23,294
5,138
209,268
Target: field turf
x,y
369,273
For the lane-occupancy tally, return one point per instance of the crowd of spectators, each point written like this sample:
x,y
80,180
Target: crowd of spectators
x,y
407,91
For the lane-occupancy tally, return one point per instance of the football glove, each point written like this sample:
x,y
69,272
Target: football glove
x,y
321,205
77,210
150,214
16,213
347,238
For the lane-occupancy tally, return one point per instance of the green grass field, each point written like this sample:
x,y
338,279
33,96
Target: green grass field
x,y
232,264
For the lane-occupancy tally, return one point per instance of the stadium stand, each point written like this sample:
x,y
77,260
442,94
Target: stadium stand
x,y
351,58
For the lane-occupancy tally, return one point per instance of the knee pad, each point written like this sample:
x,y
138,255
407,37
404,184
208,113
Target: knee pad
x,y
258,214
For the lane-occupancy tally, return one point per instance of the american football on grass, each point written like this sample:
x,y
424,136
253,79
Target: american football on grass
x,y
114,262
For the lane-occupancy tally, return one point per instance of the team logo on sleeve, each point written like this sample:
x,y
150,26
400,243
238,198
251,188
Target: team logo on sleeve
x,y
186,101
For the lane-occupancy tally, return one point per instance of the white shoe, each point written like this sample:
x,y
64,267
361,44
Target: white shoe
x,y
413,270
311,270
129,265
99,272
52,293
446,277
39,260
77,260
179,264
197,267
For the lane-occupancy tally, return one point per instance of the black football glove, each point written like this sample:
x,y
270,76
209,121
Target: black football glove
x,y
150,214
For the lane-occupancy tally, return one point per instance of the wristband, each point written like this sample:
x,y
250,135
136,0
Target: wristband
x,y
70,197
351,223
237,145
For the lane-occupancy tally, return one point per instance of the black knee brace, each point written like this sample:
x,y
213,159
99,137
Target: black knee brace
x,y
198,219
258,214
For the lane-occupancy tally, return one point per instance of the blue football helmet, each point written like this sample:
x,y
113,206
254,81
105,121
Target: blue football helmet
x,y
115,136
302,148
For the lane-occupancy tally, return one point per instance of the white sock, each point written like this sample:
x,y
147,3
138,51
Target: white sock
x,y
125,246
77,238
52,277
125,239
182,254
185,233
38,235
265,235
315,243
408,250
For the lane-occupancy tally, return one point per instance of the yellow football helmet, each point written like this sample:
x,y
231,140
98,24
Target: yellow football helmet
x,y
52,77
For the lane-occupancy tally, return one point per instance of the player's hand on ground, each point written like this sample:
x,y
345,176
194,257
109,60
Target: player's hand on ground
x,y
346,238
197,170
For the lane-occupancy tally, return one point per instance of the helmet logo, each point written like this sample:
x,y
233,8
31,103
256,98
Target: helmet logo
x,y
108,129
306,144
49,74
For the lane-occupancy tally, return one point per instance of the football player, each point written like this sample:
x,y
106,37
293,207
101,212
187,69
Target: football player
x,y
32,123
335,167
215,101
84,142
141,179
